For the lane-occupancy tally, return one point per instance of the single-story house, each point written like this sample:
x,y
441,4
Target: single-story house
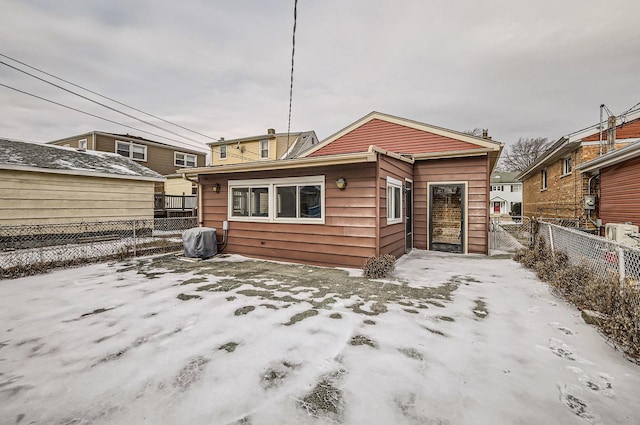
x,y
618,200
381,185
47,184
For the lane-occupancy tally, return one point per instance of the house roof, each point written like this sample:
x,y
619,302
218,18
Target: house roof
x,y
326,160
132,138
28,156
399,135
627,126
504,177
617,156
258,137
497,197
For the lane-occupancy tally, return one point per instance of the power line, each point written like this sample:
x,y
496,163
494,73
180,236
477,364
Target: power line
x,y
293,52
106,97
104,119
98,103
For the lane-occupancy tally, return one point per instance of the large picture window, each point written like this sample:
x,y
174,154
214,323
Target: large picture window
x,y
288,200
394,201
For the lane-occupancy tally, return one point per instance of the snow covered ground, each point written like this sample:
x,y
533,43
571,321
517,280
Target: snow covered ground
x,y
449,340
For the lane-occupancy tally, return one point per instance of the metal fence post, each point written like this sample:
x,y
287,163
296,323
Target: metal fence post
x,y
135,242
621,271
551,240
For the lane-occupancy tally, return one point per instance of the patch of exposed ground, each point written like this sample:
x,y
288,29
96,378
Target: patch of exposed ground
x,y
229,347
362,340
412,353
480,309
194,280
326,400
186,297
275,375
97,311
244,310
190,373
301,316
281,285
335,316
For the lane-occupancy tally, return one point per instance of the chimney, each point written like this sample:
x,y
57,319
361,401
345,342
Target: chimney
x,y
271,131
485,133
611,133
222,139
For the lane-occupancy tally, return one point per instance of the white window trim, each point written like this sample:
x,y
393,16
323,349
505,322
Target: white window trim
x,y
131,145
86,144
566,172
393,183
175,159
544,182
220,150
268,148
271,184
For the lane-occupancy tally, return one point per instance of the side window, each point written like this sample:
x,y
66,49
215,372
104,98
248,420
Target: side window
x,y
394,201
264,148
543,178
223,152
82,144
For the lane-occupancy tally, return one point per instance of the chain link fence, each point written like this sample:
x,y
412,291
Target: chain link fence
x,y
603,257
31,249
509,233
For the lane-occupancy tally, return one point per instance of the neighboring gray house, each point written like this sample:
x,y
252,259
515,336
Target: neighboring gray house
x,y
45,184
506,190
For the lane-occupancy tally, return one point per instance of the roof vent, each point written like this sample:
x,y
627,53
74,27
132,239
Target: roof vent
x,y
271,131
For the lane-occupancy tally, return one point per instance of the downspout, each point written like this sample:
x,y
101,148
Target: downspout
x,y
199,200
378,217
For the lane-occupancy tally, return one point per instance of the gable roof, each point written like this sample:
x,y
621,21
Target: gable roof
x,y
132,138
28,156
627,127
504,177
399,135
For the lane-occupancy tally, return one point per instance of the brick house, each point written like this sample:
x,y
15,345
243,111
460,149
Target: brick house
x,y
552,187
382,185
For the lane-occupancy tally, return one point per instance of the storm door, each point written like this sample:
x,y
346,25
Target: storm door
x,y
408,211
446,218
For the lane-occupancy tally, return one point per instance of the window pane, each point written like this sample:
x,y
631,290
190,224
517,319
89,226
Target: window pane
x,y
223,151
240,202
264,149
191,161
286,201
123,149
179,159
397,203
259,202
310,201
138,152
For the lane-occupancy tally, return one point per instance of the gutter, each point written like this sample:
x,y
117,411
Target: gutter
x,y
199,200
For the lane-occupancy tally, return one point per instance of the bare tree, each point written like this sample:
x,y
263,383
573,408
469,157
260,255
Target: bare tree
x,y
477,131
522,154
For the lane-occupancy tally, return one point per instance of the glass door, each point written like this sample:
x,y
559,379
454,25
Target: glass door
x,y
446,218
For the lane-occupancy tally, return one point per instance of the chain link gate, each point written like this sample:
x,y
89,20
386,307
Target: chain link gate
x,y
509,233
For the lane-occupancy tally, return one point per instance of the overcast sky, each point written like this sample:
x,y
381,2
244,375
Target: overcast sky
x,y
518,68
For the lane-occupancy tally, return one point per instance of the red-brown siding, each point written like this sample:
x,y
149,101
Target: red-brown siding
x,y
347,238
625,131
474,171
392,137
620,193
392,236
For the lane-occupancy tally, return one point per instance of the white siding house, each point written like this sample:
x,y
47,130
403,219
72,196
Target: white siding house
x,y
505,192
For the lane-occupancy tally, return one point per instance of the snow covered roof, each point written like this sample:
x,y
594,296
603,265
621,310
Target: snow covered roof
x,y
27,156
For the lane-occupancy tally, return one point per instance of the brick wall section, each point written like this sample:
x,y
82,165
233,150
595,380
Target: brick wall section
x,y
564,197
